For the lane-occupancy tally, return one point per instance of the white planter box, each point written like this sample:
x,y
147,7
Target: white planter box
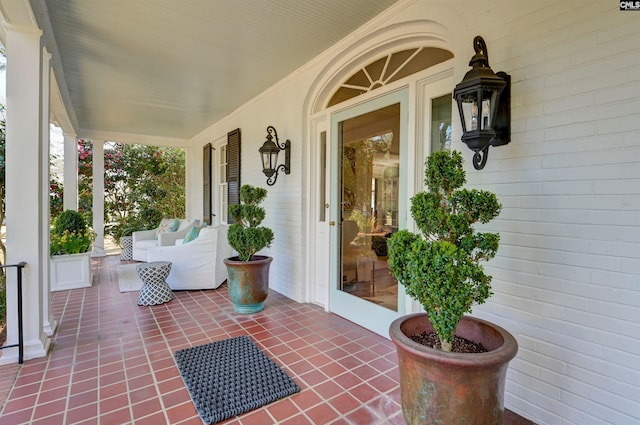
x,y
70,271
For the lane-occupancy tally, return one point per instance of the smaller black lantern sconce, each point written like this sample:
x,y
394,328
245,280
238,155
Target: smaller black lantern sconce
x,y
269,156
484,104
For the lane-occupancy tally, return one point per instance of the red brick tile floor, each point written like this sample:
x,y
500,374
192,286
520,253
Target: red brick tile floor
x,y
112,361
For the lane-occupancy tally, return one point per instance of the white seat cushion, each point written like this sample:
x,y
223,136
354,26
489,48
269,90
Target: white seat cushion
x,y
147,244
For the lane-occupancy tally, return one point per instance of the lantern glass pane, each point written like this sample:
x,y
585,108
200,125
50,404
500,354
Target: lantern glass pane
x,y
266,158
274,160
469,107
488,111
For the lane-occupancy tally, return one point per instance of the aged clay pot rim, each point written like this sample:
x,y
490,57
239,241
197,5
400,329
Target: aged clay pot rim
x,y
502,354
256,259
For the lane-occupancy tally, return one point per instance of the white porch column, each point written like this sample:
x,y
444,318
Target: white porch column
x,y
189,208
70,174
48,322
98,198
26,240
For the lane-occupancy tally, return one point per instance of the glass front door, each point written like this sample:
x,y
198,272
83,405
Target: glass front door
x,y
371,160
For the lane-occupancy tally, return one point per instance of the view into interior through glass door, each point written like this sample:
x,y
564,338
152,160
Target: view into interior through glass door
x,y
370,165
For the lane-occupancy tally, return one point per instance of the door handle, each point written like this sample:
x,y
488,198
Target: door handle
x,y
332,223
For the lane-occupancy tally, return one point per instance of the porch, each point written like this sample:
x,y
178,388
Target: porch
x,y
111,361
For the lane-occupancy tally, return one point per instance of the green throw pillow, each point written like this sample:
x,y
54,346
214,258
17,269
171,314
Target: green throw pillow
x,y
192,234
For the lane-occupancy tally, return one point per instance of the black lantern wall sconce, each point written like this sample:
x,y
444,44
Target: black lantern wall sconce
x,y
269,156
484,104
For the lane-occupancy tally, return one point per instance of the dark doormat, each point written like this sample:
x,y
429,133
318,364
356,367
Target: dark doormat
x,y
229,377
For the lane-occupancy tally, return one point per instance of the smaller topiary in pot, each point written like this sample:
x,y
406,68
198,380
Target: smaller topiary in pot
x,y
245,235
440,267
248,280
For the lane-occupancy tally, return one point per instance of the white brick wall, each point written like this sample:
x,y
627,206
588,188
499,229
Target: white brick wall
x,y
567,276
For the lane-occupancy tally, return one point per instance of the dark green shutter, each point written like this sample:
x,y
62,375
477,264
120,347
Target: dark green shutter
x,y
233,169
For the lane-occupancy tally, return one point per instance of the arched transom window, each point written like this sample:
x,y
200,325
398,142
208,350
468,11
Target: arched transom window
x,y
387,70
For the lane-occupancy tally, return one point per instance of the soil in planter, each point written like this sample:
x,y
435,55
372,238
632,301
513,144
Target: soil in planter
x,y
459,345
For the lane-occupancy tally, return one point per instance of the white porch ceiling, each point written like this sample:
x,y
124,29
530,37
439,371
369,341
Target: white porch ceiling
x,y
167,68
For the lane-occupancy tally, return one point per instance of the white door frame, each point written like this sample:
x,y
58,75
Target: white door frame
x,y
421,88
319,235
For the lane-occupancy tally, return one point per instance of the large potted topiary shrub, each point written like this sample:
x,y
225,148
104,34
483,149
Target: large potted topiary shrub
x,y
248,280
460,380
70,261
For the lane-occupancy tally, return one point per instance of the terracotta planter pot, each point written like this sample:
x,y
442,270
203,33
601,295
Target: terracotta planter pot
x,y
248,283
452,388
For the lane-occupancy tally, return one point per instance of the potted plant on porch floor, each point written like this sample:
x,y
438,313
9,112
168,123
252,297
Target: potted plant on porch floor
x,y
248,280
70,261
440,268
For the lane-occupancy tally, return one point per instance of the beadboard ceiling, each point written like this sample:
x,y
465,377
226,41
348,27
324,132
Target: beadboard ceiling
x,y
171,68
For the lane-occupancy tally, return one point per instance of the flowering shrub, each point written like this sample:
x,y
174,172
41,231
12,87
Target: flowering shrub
x,y
70,242
70,234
